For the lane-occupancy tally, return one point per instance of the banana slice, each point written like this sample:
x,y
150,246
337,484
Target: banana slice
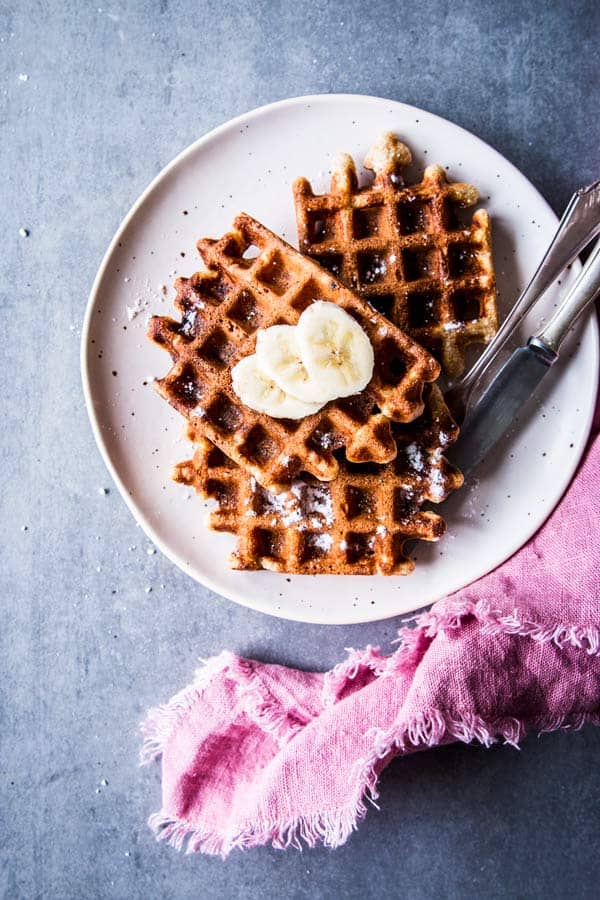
x,y
258,391
336,352
278,354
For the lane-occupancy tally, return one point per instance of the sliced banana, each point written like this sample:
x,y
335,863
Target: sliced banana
x,y
278,354
258,391
335,351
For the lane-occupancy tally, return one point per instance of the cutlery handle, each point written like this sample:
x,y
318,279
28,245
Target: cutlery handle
x,y
585,289
579,225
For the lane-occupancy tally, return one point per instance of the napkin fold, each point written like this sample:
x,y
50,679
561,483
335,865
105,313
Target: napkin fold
x,y
254,753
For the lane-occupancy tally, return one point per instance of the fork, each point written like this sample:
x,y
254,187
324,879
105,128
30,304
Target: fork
x,y
580,223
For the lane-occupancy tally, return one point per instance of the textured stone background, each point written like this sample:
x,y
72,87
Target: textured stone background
x,y
113,91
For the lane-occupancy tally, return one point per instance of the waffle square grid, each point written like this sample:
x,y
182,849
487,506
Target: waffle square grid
x,y
254,280
404,249
358,524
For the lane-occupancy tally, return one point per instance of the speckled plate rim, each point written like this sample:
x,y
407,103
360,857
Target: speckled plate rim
x,y
85,358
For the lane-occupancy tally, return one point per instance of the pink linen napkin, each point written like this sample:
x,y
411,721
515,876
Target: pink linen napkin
x,y
253,753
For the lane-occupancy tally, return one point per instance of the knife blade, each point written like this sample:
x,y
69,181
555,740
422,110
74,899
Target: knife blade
x,y
495,412
522,374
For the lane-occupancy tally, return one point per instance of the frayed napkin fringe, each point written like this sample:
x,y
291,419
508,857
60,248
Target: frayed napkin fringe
x,y
452,614
439,710
162,721
335,680
259,704
428,729
266,712
255,699
334,828
331,829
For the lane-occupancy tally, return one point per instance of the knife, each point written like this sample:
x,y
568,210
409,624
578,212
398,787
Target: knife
x,y
578,226
522,374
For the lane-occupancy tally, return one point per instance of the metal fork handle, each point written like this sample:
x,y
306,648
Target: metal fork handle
x,y
579,225
580,295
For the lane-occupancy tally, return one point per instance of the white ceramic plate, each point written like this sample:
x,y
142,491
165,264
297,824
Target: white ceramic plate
x,y
249,164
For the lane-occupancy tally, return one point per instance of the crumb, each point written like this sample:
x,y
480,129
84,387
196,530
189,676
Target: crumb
x,y
139,306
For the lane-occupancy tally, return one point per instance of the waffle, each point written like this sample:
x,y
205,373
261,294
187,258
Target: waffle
x,y
221,311
356,525
403,249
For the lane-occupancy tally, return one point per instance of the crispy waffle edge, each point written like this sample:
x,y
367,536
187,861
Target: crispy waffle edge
x,y
404,250
264,446
362,529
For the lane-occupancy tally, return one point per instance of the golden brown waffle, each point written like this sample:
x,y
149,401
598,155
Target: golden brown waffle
x,y
221,311
404,249
356,525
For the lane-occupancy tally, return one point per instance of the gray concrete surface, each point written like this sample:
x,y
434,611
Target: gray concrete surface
x,y
94,99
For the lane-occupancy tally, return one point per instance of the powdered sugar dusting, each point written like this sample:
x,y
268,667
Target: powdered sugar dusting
x,y
305,505
323,542
139,305
415,457
437,489
375,272
316,501
188,322
325,440
437,485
